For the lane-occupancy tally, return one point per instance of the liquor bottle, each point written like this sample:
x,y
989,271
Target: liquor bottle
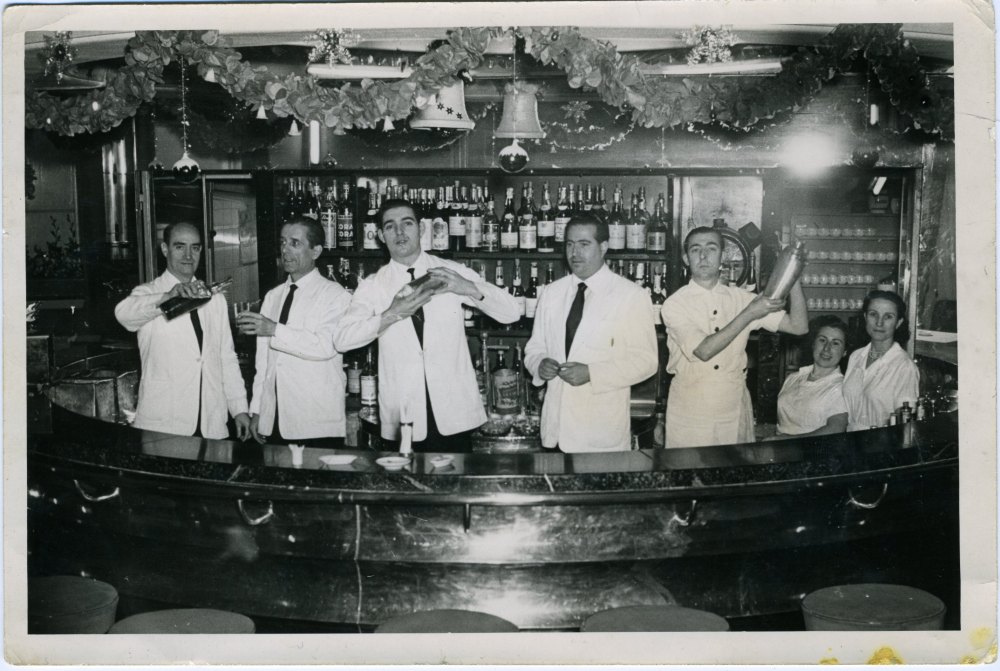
x,y
345,218
456,219
601,205
508,227
504,388
658,295
640,277
491,227
656,232
588,198
546,223
498,276
310,207
630,275
477,366
354,377
328,217
616,222
425,216
347,278
370,227
485,391
635,229
563,214
474,221
517,291
549,277
527,232
181,305
439,226
575,201
369,380
531,295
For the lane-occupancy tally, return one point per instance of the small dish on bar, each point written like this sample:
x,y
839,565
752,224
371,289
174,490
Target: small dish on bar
x,y
393,463
337,459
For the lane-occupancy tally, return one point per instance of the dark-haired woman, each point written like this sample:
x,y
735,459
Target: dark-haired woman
x,y
880,376
811,402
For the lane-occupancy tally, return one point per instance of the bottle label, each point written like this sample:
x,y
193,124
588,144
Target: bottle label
x,y
635,236
353,380
427,226
546,229
616,239
439,234
371,235
369,390
559,230
329,221
491,237
505,391
508,240
456,226
528,236
522,304
656,241
474,232
530,304
345,231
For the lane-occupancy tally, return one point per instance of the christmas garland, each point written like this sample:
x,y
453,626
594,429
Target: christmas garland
x,y
652,101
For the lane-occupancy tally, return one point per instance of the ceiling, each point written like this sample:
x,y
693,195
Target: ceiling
x,y
933,41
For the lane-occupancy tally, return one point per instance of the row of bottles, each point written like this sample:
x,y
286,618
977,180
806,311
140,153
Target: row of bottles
x,y
461,217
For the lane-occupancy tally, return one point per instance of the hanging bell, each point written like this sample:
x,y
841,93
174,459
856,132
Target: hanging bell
x,y
520,113
445,109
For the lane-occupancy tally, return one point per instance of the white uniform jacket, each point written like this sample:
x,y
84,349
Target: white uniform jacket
x,y
444,363
875,392
299,362
172,364
617,341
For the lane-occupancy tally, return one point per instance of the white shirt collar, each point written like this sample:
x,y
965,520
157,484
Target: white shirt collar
x,y
419,265
597,281
305,280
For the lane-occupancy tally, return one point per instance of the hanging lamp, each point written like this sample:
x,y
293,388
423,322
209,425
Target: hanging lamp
x,y
186,170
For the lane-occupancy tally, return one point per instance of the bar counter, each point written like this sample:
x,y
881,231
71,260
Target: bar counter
x,y
541,539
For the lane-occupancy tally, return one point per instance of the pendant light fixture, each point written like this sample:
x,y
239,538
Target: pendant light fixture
x,y
520,118
186,170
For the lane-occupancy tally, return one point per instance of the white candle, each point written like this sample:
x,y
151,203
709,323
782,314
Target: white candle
x,y
314,143
872,115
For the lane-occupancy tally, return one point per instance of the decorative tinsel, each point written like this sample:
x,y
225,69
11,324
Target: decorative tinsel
x,y
58,53
332,46
585,128
404,140
709,45
732,102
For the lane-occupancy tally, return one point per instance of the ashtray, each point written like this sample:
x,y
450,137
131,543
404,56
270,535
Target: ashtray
x,y
393,463
441,460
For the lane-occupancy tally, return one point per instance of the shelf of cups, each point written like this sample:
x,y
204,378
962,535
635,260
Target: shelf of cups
x,y
860,286
851,238
842,262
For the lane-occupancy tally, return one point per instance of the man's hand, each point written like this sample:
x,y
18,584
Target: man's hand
x,y
404,305
574,373
548,369
242,426
253,323
455,283
761,306
255,428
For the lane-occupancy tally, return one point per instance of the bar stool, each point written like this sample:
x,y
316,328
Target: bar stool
x,y
65,604
872,607
654,618
446,621
185,621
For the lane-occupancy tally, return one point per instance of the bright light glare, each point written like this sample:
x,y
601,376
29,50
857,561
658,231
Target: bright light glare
x,y
808,155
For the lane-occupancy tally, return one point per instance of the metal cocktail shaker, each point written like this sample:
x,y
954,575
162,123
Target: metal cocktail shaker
x,y
787,269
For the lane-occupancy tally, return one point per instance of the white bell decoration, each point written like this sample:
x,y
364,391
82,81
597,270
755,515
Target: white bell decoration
x,y
446,109
520,113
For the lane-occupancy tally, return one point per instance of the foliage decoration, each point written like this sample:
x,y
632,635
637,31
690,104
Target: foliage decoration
x,y
734,103
709,45
332,46
60,259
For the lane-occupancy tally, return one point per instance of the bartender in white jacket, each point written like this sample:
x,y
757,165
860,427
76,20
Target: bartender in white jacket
x,y
190,375
430,375
612,347
298,391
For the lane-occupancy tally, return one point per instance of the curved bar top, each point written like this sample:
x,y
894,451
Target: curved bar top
x,y
541,539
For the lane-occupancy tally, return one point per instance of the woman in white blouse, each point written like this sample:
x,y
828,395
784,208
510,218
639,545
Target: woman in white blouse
x,y
811,402
880,376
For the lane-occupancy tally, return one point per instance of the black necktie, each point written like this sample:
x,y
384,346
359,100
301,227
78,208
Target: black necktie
x,y
418,316
287,307
575,315
196,323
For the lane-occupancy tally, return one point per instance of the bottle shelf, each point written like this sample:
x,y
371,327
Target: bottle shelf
x,y
860,287
469,255
851,238
851,263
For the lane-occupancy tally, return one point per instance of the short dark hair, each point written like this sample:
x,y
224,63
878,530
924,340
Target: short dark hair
x,y
902,333
314,230
703,229
826,321
169,229
392,203
601,232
